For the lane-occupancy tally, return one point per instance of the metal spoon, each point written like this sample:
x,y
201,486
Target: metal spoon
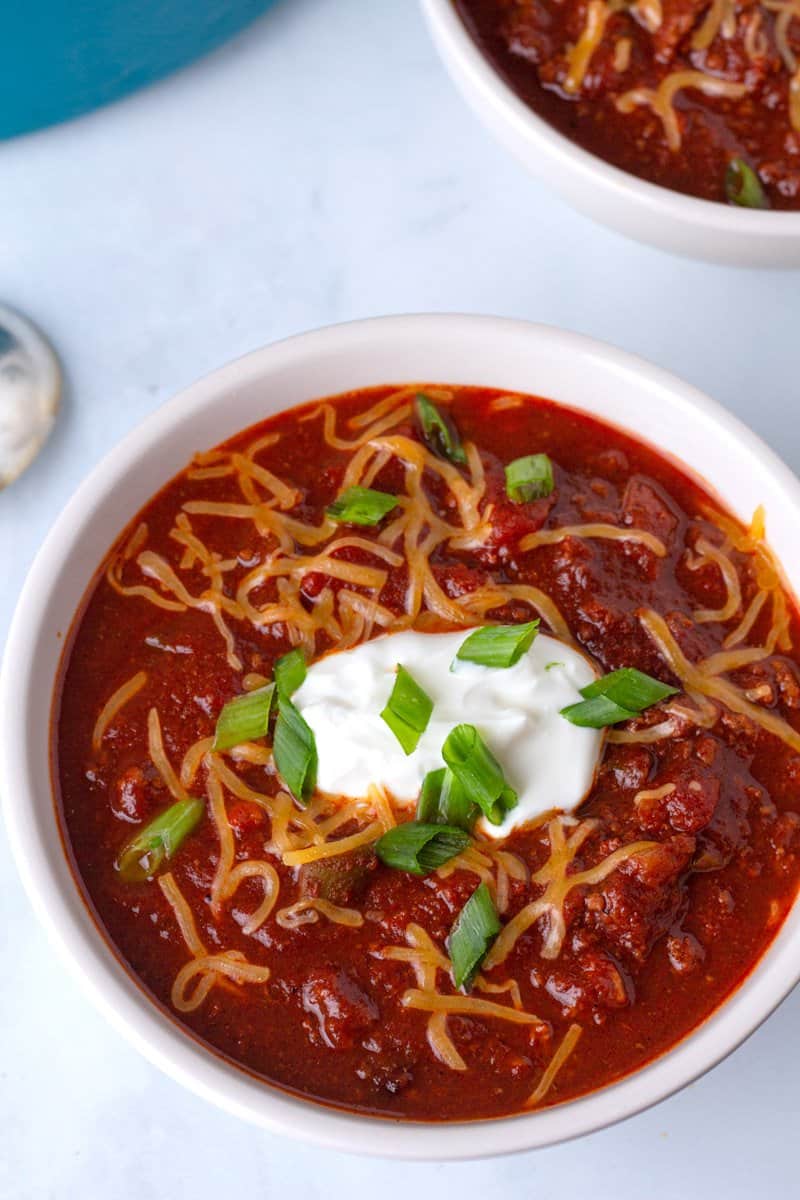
x,y
30,391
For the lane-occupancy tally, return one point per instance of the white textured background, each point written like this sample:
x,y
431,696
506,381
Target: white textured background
x,y
318,169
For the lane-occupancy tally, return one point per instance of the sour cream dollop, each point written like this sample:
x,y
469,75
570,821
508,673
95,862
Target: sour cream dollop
x,y
547,760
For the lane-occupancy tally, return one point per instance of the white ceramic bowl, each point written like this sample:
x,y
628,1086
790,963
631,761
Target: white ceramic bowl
x,y
455,349
681,224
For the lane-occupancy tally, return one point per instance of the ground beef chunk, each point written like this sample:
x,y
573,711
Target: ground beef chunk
x,y
783,176
601,984
646,507
627,766
644,898
484,1048
680,16
688,808
510,521
388,1064
244,815
785,835
617,639
341,1011
787,681
693,803
457,579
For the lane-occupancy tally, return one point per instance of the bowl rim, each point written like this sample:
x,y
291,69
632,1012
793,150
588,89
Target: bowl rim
x,y
661,202
65,915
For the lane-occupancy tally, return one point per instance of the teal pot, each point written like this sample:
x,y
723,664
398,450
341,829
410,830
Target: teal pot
x,y
60,58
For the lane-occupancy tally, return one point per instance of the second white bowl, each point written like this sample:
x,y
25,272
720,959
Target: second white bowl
x,y
670,220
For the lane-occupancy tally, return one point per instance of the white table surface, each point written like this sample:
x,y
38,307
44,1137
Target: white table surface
x,y
318,169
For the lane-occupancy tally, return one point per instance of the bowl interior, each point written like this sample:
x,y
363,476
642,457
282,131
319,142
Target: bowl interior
x,y
468,350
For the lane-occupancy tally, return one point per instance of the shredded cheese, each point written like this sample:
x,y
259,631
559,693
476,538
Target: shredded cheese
x,y
493,596
203,970
183,914
580,55
747,622
115,702
568,1044
158,756
378,427
308,912
228,877
662,99
504,403
427,960
699,679
296,858
650,13
786,11
557,884
655,733
622,54
471,1005
621,533
720,18
756,43
767,571
193,759
706,553
646,796
390,404
794,100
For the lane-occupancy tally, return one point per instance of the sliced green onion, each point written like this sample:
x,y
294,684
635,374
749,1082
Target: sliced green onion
x,y
408,710
743,187
154,845
629,688
440,435
361,506
244,718
596,713
456,807
289,672
429,810
549,666
475,928
615,697
295,751
443,801
498,645
529,478
478,772
419,848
